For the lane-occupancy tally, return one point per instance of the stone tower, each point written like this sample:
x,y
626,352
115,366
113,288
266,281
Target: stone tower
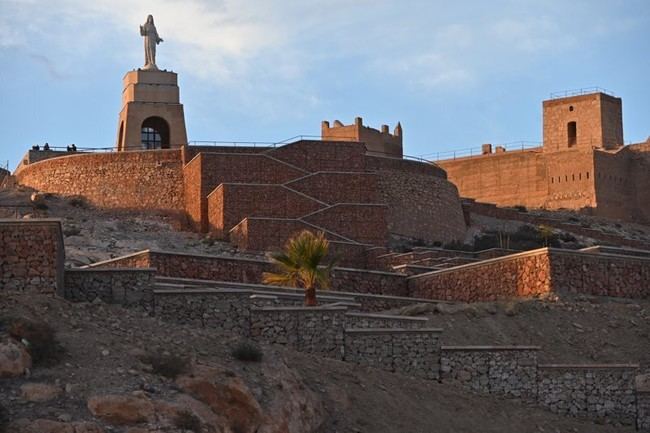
x,y
593,120
378,142
152,116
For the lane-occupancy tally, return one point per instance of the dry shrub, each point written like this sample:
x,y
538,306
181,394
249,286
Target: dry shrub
x,y
170,366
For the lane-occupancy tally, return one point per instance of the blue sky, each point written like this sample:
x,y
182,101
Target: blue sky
x,y
456,74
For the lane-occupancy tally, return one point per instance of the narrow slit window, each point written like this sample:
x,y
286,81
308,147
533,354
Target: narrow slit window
x,y
572,134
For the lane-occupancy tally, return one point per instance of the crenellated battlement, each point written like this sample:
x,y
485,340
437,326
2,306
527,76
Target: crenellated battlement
x,y
378,142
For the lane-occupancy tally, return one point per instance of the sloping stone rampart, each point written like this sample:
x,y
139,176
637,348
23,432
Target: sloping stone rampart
x,y
31,256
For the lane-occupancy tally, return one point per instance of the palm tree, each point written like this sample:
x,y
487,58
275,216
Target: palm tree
x,y
299,265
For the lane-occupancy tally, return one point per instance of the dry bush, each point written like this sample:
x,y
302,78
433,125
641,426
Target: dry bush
x,y
163,364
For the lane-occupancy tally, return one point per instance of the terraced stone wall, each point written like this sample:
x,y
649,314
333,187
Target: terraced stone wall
x,y
413,352
605,392
31,256
509,371
130,286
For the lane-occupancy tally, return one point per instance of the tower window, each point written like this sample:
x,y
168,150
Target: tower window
x,y
154,133
572,133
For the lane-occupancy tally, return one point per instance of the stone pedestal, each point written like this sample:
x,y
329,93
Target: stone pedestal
x,y
150,100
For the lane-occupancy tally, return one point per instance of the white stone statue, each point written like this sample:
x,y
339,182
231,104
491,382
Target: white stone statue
x,y
151,39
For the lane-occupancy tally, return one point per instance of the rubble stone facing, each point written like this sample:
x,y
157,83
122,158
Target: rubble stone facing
x,y
518,275
604,392
228,310
31,256
535,273
119,180
643,403
509,371
130,286
601,274
414,352
365,281
317,330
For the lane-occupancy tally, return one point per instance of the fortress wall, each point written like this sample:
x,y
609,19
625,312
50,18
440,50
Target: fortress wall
x,y
31,256
364,223
313,156
421,203
339,187
571,180
640,174
192,186
229,204
517,275
151,180
506,179
615,186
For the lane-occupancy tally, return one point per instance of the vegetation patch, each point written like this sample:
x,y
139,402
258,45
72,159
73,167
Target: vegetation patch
x,y
167,365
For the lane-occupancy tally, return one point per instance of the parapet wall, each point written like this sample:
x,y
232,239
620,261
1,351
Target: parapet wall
x,y
126,286
150,180
31,256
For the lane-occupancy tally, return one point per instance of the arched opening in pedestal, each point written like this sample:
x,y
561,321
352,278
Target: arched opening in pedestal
x,y
154,133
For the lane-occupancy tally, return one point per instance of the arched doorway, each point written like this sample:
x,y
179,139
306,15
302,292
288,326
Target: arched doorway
x,y
154,133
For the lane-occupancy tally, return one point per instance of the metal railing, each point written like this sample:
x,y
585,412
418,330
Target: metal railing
x,y
478,151
242,143
582,91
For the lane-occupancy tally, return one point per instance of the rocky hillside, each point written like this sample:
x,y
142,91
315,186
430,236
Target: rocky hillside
x,y
117,371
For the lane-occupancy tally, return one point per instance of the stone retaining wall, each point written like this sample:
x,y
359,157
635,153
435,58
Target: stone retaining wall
x,y
414,352
131,286
364,320
604,392
509,371
227,310
307,329
643,403
31,256
365,281
517,275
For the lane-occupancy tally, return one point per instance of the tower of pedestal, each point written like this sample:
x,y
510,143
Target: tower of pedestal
x,y
152,116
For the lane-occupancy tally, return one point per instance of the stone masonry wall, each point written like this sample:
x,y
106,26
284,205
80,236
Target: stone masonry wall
x,y
600,274
364,281
31,256
509,371
421,205
227,310
113,286
519,275
643,403
312,329
151,180
597,392
414,352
